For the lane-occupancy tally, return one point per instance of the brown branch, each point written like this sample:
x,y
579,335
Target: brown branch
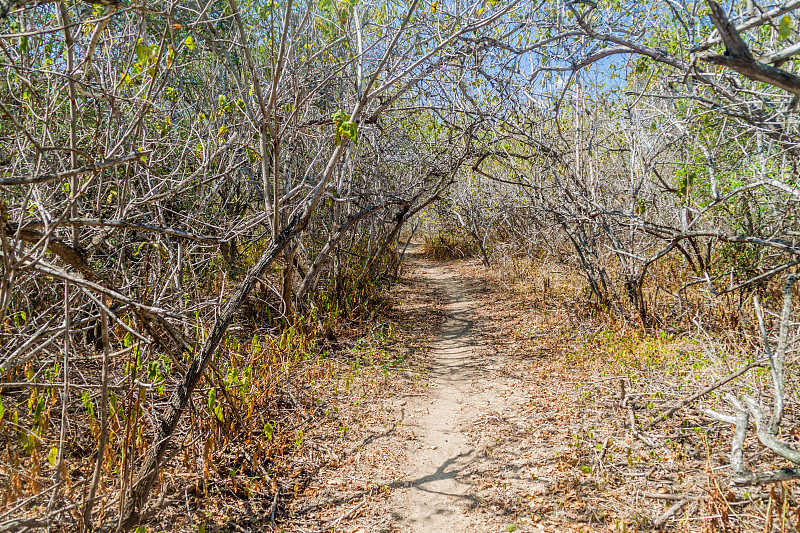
x,y
54,271
752,23
765,478
94,167
6,6
123,224
71,256
739,58
669,513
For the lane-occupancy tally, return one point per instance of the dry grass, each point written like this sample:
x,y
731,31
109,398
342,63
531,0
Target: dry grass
x,y
554,442
564,455
275,410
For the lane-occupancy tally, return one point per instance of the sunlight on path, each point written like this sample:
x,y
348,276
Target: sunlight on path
x,y
437,495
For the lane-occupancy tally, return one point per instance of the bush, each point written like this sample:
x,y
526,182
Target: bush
x,y
450,245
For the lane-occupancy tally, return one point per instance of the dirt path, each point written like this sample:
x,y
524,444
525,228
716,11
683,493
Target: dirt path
x,y
502,413
437,493
457,448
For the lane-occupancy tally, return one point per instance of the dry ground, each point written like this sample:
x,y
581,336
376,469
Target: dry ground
x,y
496,400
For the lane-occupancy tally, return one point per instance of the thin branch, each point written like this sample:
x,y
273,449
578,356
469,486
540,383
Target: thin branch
x,y
45,178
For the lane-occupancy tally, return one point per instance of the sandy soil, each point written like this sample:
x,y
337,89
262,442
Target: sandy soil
x,y
437,494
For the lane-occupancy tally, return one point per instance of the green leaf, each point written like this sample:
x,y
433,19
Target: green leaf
x,y
152,371
214,406
344,128
86,398
112,404
785,27
27,442
52,457
212,399
162,251
2,410
142,51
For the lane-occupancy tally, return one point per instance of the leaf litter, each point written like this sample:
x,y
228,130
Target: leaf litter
x,y
557,399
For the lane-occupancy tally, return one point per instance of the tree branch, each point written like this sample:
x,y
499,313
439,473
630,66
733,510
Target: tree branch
x,y
739,58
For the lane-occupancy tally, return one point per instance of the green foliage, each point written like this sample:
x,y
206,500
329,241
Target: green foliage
x,y
785,27
214,406
52,457
685,182
338,10
344,128
86,398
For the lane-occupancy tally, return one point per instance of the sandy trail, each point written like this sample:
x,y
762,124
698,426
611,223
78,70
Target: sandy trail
x,y
436,496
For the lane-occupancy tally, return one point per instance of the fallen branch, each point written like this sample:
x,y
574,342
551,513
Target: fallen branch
x,y
344,516
22,524
671,497
670,513
730,377
767,428
766,478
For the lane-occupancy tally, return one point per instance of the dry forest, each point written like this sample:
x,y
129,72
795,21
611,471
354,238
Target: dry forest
x,y
395,266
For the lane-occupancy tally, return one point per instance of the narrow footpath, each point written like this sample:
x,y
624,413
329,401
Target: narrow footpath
x,y
436,495
504,414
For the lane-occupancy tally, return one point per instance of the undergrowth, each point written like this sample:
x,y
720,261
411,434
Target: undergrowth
x,y
271,383
447,245
630,374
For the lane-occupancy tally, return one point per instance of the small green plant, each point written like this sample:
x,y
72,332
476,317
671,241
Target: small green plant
x,y
345,128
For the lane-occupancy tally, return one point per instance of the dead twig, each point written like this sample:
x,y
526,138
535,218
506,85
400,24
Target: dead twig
x,y
344,516
670,497
670,513
717,384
